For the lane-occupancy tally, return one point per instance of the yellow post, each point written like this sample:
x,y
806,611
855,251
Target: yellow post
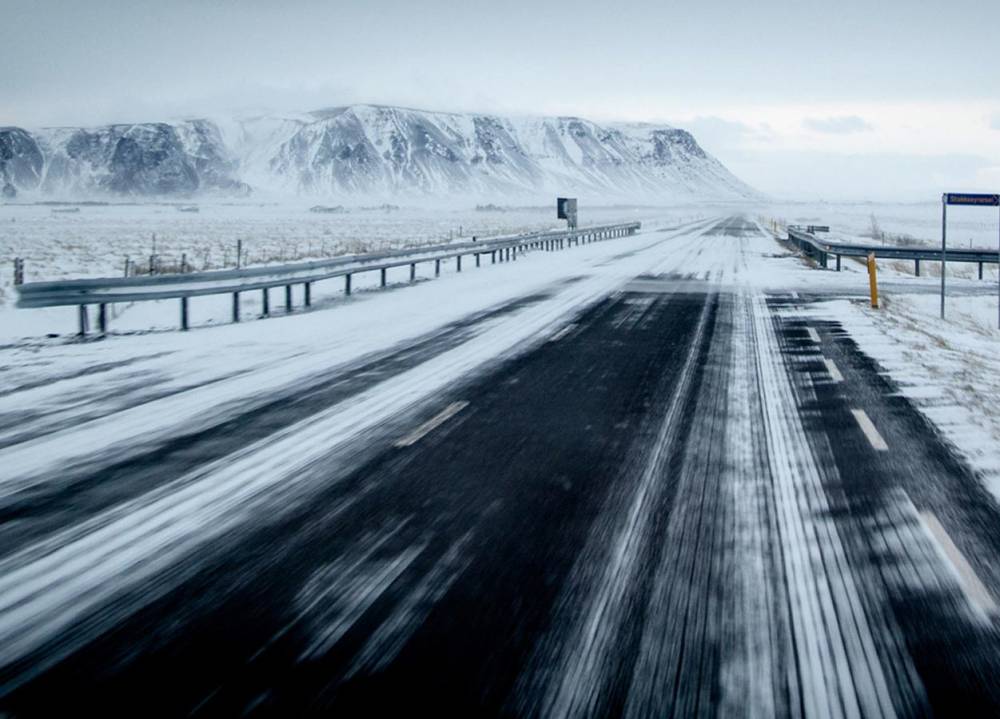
x,y
873,279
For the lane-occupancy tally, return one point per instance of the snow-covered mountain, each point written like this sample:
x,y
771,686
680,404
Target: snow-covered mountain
x,y
369,152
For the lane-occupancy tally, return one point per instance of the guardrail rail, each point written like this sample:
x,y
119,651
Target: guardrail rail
x,y
820,250
104,291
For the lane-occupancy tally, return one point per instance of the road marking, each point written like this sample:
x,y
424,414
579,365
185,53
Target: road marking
x,y
864,421
832,369
562,333
813,335
433,423
974,589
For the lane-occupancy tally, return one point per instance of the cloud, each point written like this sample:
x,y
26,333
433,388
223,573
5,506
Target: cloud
x,y
719,134
842,125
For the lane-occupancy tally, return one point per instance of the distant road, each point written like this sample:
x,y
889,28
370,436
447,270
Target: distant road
x,y
678,496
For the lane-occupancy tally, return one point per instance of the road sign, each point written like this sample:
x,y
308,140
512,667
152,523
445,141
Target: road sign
x,y
566,210
964,198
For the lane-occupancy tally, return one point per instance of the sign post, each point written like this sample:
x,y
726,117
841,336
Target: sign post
x,y
977,200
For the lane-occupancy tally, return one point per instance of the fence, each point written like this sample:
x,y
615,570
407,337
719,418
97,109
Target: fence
x,y
820,250
105,291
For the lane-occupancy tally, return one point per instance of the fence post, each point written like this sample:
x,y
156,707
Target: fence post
x,y
82,313
18,271
239,253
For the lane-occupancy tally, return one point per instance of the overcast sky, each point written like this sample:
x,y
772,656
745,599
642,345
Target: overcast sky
x,y
894,99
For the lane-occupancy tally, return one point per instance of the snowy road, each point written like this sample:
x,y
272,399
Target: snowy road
x,y
638,478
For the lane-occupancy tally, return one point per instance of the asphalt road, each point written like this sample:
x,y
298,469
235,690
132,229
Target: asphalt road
x,y
687,500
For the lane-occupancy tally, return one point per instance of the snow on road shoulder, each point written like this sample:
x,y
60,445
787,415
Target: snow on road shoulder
x,y
949,369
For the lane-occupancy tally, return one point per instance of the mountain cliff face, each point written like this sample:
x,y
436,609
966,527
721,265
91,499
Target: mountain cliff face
x,y
367,151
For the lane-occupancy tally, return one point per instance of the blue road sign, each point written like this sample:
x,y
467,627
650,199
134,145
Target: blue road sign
x,y
964,198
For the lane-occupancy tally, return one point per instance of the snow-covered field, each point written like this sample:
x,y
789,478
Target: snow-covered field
x,y
96,241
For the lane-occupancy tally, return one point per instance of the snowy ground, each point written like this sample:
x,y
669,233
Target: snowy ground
x,y
948,368
96,240
640,450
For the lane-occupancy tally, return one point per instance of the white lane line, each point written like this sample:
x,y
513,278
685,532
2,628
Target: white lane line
x,y
974,589
865,422
833,370
563,332
813,335
433,423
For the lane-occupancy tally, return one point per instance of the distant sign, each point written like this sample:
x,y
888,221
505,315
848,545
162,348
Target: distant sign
x,y
565,208
960,198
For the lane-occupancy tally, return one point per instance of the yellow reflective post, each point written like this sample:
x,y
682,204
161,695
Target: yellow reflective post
x,y
873,279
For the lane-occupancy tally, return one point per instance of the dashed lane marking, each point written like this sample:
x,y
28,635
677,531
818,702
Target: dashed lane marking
x,y
974,589
868,427
831,367
433,423
562,333
813,335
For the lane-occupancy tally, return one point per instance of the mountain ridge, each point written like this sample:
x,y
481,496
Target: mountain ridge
x,y
370,152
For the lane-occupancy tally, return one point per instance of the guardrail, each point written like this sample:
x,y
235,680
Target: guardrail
x,y
104,291
820,250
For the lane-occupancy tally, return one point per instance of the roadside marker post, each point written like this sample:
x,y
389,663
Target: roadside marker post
x,y
974,200
873,279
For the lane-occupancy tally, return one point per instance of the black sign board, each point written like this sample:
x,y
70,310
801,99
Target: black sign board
x,y
964,198
565,208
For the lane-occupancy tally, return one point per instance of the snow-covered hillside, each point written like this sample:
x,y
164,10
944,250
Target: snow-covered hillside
x,y
370,152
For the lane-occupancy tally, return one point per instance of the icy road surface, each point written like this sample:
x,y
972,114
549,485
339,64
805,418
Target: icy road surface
x,y
642,477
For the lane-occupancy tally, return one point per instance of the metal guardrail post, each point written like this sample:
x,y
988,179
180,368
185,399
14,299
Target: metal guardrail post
x,y
347,284
413,271
980,270
437,268
916,267
83,320
236,307
382,278
184,313
265,302
477,259
308,293
102,318
458,263
288,298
